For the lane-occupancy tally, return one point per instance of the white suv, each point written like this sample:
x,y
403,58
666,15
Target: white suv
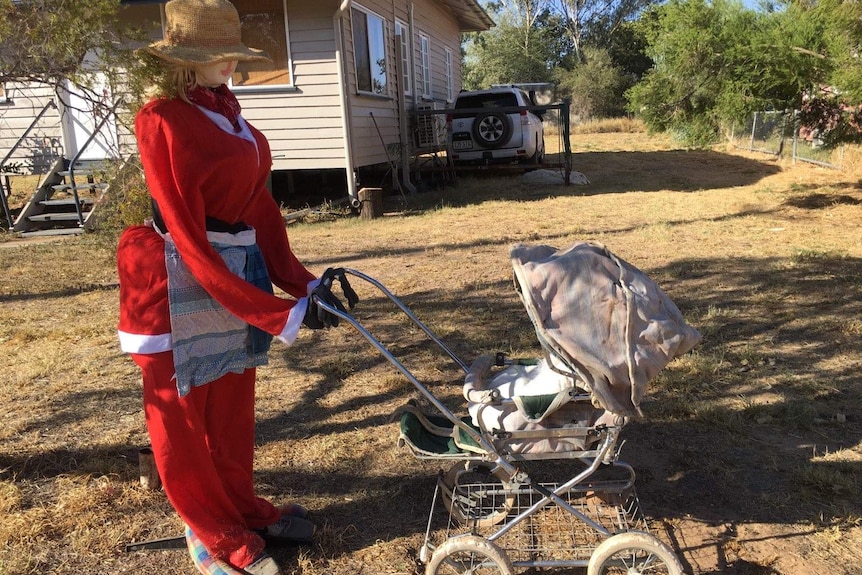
x,y
494,126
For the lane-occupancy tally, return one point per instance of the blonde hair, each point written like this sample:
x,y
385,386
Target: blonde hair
x,y
170,80
184,79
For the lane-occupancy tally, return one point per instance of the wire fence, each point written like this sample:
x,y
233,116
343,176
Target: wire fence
x,y
779,134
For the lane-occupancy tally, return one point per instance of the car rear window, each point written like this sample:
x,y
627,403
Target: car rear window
x,y
503,100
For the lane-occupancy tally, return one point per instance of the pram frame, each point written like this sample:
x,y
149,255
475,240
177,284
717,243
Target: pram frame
x,y
606,452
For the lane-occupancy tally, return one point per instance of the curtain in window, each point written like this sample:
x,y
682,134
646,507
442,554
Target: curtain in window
x,y
263,27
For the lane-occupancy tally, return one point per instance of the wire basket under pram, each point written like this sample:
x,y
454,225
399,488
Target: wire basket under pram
x,y
533,478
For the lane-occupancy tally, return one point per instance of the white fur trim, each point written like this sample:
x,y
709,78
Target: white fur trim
x,y
294,321
140,343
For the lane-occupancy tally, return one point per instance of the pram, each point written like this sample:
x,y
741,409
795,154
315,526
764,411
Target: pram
x,y
605,329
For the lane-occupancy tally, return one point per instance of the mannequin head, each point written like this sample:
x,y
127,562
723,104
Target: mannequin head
x,y
199,32
216,74
201,47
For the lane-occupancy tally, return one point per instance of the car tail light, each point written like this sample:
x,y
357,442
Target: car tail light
x,y
449,120
525,121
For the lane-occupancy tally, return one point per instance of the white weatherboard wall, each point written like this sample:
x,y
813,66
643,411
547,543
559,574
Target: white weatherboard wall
x,y
44,143
425,17
304,123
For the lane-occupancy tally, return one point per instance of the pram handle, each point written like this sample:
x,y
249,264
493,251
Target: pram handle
x,y
474,435
350,319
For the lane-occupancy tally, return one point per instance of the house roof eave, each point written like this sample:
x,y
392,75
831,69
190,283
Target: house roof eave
x,y
470,15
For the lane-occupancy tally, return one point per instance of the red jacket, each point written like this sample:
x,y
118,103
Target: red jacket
x,y
194,169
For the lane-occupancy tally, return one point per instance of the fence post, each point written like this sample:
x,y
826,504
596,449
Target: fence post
x,y
753,131
795,133
371,203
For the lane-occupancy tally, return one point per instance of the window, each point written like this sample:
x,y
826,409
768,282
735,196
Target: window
x,y
450,81
406,69
425,65
264,26
369,51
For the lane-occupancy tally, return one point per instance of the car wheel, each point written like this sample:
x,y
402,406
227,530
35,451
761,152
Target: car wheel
x,y
492,129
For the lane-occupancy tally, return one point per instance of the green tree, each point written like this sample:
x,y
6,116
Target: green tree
x,y
52,42
842,22
595,86
715,62
587,21
535,37
508,53
45,42
626,45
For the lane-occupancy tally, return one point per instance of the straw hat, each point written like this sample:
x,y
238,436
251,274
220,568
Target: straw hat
x,y
202,32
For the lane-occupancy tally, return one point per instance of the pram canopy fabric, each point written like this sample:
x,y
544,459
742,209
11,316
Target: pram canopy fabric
x,y
604,318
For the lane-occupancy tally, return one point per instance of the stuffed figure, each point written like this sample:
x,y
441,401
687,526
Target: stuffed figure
x,y
197,309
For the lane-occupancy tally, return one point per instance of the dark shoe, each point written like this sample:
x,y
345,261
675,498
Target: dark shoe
x,y
294,510
289,530
263,565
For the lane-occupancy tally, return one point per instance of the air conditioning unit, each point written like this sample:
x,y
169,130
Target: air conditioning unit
x,y
430,128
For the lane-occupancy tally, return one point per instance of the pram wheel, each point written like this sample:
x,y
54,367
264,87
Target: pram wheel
x,y
469,555
633,553
477,495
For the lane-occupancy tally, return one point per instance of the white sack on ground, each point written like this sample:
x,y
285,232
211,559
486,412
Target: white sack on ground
x,y
554,177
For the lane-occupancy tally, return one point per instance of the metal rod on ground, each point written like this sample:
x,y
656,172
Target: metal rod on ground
x,y
392,165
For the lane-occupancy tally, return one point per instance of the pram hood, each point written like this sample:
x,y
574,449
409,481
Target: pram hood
x,y
602,317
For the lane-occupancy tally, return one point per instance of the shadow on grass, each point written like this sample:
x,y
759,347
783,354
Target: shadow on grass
x,y
710,447
608,173
355,258
616,172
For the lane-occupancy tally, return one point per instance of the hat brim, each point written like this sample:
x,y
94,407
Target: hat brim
x,y
184,55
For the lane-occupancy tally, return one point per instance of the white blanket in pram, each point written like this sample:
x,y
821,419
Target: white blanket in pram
x,y
530,398
602,317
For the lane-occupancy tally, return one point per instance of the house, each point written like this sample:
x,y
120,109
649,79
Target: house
x,y
345,76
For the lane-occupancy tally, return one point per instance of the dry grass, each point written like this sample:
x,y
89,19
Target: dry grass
x,y
748,458
610,125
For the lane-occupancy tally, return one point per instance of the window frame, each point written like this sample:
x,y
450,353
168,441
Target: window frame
x,y
384,29
425,65
406,61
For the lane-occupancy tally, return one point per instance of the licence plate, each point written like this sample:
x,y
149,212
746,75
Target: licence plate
x,y
462,145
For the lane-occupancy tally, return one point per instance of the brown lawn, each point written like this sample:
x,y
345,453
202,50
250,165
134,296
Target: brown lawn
x,y
749,457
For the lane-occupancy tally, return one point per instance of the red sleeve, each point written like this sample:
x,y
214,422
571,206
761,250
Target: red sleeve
x,y
173,174
285,270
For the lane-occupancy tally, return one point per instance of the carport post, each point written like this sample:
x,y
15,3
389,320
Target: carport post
x,y
567,144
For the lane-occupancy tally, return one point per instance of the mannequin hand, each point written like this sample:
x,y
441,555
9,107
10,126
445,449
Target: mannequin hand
x,y
315,316
338,273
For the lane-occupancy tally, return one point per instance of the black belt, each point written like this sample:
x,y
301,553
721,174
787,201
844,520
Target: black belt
x,y
212,224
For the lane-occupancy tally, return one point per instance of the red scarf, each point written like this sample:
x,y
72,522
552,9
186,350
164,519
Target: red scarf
x,y
219,100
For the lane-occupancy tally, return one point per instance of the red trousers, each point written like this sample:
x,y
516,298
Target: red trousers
x,y
204,450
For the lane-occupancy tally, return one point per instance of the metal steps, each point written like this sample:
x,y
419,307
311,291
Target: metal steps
x,y
53,232
63,202
66,202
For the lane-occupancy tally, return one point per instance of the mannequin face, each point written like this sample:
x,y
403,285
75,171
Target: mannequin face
x,y
213,75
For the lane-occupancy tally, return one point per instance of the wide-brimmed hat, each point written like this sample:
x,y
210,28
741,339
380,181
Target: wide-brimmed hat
x,y
202,32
